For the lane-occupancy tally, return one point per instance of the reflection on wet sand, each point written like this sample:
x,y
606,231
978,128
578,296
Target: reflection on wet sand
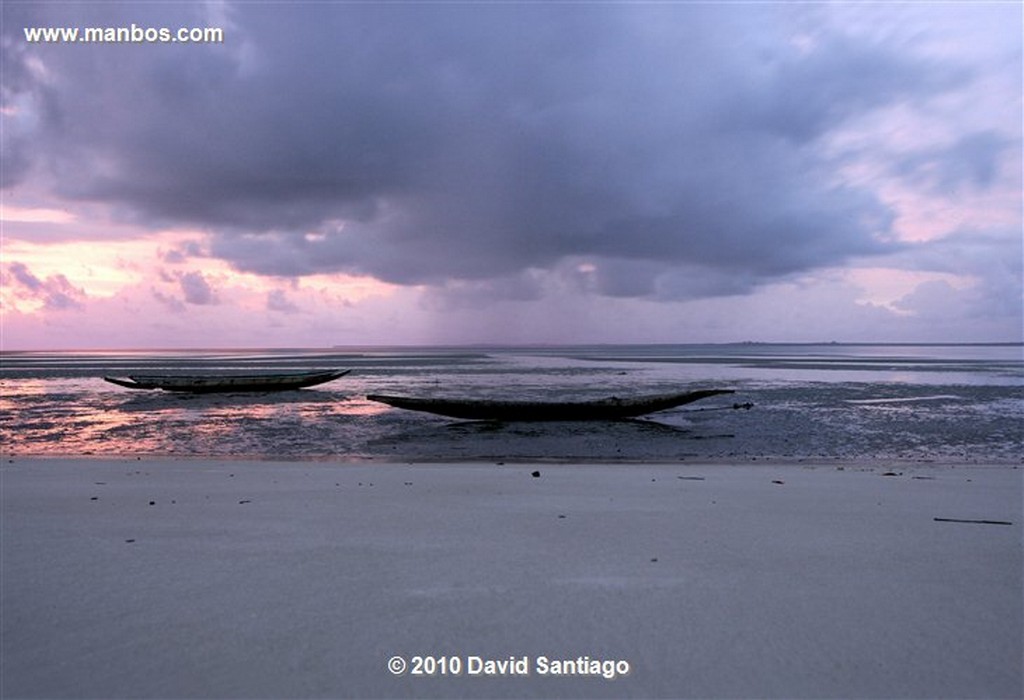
x,y
113,423
963,403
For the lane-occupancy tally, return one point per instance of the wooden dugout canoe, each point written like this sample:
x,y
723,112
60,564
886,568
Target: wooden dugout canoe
x,y
612,408
205,384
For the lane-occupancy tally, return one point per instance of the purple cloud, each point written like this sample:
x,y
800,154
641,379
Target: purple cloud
x,y
56,292
196,289
680,150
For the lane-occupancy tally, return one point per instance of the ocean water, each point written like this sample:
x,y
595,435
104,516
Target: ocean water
x,y
963,403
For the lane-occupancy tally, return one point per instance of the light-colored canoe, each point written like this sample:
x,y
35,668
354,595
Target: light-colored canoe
x,y
204,384
612,408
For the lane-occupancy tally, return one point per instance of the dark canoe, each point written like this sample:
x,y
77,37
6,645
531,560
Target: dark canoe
x,y
612,408
205,384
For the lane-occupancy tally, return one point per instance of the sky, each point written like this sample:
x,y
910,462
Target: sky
x,y
463,173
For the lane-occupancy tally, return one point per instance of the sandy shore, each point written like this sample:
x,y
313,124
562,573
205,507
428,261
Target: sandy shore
x,y
201,578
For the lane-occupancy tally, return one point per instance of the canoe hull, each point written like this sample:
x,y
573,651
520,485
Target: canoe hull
x,y
612,408
202,384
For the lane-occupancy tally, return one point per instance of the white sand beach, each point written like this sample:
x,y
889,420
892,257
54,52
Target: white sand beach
x,y
221,578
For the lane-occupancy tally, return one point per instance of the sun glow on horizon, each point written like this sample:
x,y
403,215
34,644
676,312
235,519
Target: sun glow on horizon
x,y
165,281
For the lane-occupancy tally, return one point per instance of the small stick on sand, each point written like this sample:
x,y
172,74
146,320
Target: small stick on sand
x,y
979,522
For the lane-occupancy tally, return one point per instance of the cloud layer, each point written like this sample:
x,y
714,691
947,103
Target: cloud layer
x,y
557,160
666,150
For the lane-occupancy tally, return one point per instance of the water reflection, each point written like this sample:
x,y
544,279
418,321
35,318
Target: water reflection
x,y
34,419
808,401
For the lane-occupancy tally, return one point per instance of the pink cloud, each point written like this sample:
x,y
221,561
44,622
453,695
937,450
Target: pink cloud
x,y
55,291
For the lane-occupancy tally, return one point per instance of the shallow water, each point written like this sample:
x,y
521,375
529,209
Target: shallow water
x,y
960,402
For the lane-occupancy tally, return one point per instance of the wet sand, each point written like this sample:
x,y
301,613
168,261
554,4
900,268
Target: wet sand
x,y
223,578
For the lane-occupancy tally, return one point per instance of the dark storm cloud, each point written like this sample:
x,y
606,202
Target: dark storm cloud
x,y
674,149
